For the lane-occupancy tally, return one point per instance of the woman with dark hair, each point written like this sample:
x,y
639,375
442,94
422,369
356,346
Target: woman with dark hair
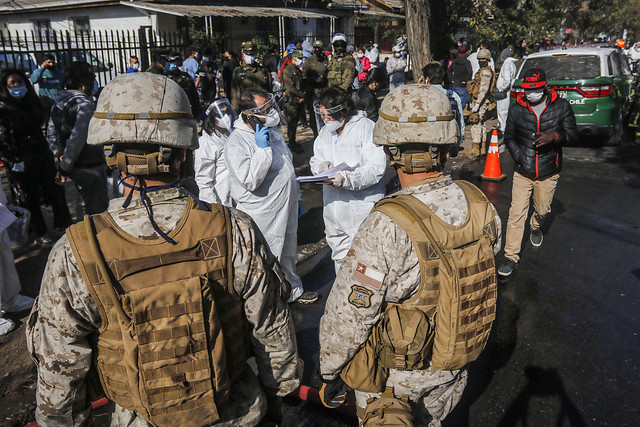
x,y
367,98
346,136
22,144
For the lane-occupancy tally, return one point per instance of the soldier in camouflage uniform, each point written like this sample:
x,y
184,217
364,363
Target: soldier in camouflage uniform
x,y
481,89
341,70
248,74
293,98
65,323
314,78
357,300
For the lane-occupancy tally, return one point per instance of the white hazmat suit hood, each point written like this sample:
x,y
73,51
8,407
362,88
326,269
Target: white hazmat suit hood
x,y
212,175
263,185
346,207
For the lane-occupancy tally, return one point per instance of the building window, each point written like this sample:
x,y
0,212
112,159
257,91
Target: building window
x,y
81,25
41,28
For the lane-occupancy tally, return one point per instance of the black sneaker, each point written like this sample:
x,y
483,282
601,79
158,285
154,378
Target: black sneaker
x,y
536,237
307,297
506,269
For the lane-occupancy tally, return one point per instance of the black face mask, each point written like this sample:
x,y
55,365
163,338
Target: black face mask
x,y
340,46
483,63
318,52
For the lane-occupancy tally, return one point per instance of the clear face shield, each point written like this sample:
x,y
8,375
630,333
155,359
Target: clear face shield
x,y
332,117
267,113
220,117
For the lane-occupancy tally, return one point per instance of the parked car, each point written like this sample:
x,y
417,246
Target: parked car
x,y
17,59
596,81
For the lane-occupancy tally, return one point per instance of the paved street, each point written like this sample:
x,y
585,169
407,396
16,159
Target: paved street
x,y
564,349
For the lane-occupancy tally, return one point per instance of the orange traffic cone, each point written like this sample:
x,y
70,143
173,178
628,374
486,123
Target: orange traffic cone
x,y
492,169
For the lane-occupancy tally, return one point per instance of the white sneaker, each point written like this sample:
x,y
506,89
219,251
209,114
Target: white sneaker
x,y
295,293
6,326
19,303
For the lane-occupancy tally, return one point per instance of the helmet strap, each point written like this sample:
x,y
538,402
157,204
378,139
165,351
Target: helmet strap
x,y
421,162
140,164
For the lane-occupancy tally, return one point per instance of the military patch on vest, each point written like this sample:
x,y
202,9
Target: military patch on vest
x,y
360,297
368,276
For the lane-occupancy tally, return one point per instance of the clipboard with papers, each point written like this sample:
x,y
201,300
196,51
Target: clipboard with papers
x,y
324,176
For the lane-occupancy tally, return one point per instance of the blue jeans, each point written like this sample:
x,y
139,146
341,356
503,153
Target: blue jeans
x,y
393,85
462,92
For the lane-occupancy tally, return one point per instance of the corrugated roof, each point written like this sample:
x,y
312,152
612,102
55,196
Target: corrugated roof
x,y
27,5
226,11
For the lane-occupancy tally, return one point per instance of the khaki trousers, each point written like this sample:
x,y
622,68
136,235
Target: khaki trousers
x,y
521,194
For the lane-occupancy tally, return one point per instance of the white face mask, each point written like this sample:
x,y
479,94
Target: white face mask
x,y
361,55
225,123
534,95
333,125
135,66
249,59
297,61
272,119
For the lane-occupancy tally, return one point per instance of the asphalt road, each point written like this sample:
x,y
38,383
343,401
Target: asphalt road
x,y
564,348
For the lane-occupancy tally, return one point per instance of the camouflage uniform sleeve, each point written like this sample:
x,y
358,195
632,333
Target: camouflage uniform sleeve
x,y
58,332
354,307
258,280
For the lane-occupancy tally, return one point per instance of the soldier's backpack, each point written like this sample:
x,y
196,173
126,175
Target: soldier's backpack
x,y
457,292
173,337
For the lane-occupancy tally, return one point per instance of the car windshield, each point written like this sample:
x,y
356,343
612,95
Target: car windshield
x,y
566,67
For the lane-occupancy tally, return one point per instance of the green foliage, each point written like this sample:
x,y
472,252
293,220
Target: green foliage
x,y
263,44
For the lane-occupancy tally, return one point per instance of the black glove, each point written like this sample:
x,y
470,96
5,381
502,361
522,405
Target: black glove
x,y
274,411
333,393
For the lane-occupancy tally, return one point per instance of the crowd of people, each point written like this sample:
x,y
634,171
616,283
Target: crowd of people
x,y
161,295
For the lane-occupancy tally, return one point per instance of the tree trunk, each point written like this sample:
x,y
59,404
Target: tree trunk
x,y
417,20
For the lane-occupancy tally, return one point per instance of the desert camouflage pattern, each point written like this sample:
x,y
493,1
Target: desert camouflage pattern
x,y
478,129
484,54
415,100
382,245
64,320
143,93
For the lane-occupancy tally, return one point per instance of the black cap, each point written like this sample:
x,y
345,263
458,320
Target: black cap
x,y
534,78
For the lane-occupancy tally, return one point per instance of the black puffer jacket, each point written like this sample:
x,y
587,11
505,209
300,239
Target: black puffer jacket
x,y
539,162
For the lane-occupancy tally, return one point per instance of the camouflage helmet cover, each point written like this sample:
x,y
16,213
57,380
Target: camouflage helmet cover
x,y
416,113
143,108
484,54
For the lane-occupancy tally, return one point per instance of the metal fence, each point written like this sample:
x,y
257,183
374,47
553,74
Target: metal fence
x,y
107,51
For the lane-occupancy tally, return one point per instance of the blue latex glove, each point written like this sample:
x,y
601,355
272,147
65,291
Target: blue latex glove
x,y
300,208
262,136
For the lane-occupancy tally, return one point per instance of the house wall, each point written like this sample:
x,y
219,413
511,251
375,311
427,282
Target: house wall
x,y
100,18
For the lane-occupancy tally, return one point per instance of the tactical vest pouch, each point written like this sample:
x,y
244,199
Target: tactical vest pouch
x,y
363,372
472,88
405,338
387,411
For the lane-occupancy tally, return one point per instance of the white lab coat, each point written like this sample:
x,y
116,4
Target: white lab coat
x,y
504,82
263,185
345,208
475,66
212,175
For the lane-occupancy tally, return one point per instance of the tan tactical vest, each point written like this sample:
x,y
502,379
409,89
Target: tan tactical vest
x,y
473,87
173,336
457,291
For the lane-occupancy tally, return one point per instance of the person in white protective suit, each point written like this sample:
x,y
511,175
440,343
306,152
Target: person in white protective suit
x,y
503,86
211,171
634,57
10,299
263,181
346,136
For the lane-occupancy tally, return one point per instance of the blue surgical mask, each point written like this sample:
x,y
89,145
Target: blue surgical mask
x,y
18,92
398,54
96,87
205,58
170,66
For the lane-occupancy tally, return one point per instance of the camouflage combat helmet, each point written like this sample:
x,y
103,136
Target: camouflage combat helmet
x,y
414,117
142,108
484,54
